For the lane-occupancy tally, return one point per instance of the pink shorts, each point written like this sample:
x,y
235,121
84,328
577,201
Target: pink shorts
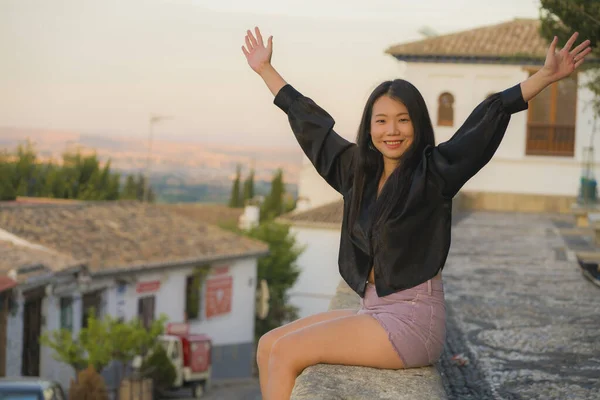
x,y
414,319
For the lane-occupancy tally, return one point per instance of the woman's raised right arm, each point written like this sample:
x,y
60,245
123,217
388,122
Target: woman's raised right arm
x,y
331,155
259,59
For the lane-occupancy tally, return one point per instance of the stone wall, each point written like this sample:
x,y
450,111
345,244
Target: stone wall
x,y
329,382
515,202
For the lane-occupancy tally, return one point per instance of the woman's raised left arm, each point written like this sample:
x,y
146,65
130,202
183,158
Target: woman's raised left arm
x,y
558,65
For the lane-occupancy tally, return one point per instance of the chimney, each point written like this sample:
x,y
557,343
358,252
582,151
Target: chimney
x,y
251,216
303,203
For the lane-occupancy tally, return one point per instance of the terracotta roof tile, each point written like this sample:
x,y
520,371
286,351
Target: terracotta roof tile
x,y
516,38
112,235
328,215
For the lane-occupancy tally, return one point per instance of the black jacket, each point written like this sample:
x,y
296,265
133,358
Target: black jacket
x,y
412,246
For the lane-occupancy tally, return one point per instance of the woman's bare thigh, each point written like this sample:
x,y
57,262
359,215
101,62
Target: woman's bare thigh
x,y
270,337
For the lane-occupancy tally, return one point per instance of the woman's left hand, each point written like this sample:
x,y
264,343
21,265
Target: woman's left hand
x,y
561,64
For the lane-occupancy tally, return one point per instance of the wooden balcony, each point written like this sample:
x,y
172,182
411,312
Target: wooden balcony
x,y
550,140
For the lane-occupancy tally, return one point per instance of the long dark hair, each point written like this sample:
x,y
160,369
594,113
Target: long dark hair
x,y
369,165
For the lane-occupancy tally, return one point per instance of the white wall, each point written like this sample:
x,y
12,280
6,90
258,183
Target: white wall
x,y
510,171
49,367
313,187
238,326
232,328
14,340
319,274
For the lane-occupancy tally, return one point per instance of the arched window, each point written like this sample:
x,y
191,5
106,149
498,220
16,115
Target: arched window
x,y
446,110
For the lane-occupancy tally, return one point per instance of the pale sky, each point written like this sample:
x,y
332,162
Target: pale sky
x,y
101,67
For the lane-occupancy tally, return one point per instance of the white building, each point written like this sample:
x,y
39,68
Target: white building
x,y
318,229
539,163
536,168
141,262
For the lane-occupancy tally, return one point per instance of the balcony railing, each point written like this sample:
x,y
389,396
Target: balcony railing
x,y
550,140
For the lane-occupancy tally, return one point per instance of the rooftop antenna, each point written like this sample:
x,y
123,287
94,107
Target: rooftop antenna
x,y
153,120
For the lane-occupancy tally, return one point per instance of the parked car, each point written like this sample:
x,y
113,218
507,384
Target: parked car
x,y
23,388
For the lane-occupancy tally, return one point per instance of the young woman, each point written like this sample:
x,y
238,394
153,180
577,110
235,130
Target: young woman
x,y
397,188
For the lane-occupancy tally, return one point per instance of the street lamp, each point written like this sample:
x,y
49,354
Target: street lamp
x,y
153,120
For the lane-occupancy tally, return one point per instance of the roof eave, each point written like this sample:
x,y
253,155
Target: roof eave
x,y
477,59
469,59
175,264
50,277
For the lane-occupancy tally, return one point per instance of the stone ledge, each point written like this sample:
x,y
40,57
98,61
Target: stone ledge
x,y
336,382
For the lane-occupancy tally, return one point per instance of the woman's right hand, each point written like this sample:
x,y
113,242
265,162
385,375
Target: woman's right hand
x,y
257,54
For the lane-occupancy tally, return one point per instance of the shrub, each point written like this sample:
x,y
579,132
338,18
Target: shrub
x,y
89,386
158,367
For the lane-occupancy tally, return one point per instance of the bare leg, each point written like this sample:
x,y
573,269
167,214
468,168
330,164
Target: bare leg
x,y
351,340
266,341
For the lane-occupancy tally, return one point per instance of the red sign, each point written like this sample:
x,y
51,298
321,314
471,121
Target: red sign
x,y
147,287
218,296
179,329
220,270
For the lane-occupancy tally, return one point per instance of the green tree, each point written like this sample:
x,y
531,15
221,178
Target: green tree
x,y
280,271
77,177
235,199
141,183
26,177
564,17
273,206
7,174
130,191
54,185
249,186
102,341
158,367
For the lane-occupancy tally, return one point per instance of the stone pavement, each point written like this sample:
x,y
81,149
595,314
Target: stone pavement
x,y
520,315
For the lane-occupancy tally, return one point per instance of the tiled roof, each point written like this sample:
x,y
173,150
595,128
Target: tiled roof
x,y
215,214
15,256
519,38
44,200
328,215
123,235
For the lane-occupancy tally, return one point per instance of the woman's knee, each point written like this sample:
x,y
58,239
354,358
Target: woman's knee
x,y
265,343
279,353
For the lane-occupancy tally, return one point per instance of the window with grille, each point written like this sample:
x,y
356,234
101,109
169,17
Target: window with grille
x,y
551,120
146,307
66,313
91,301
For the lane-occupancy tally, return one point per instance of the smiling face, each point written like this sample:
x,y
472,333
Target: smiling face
x,y
392,130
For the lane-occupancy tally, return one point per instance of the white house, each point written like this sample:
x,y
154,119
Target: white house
x,y
26,269
140,261
318,229
537,167
539,163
